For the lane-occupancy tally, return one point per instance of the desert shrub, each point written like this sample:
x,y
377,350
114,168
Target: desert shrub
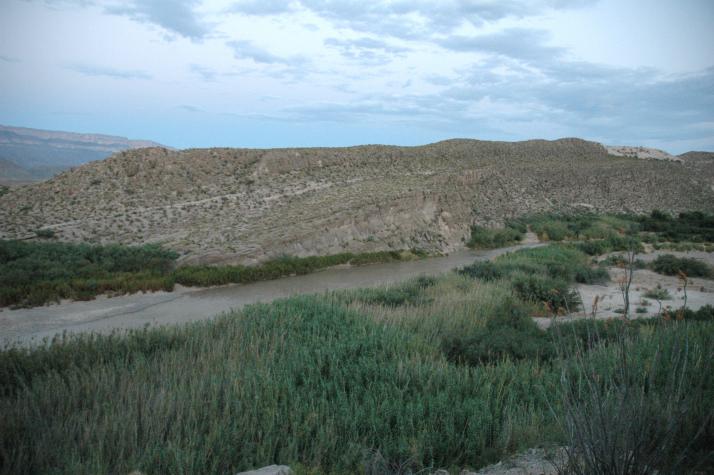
x,y
34,273
509,334
591,275
619,260
486,238
704,314
410,292
552,292
693,226
658,293
485,270
671,265
45,233
553,231
639,407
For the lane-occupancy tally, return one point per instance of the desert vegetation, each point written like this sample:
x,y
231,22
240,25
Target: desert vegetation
x,y
35,273
447,372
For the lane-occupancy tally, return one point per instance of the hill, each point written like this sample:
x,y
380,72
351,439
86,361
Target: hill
x,y
33,154
244,206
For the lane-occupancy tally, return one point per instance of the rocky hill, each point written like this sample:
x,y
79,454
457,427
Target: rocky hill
x,y
34,154
243,206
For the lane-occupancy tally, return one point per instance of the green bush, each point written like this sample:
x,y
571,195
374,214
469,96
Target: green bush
x,y
45,233
509,334
487,238
554,293
671,265
658,293
485,270
410,292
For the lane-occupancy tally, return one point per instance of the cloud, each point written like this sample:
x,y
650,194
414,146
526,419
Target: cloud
x,y
366,50
207,74
9,59
417,18
175,16
190,108
518,43
243,49
262,7
106,71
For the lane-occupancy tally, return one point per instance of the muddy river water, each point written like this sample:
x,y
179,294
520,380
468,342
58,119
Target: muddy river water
x,y
103,315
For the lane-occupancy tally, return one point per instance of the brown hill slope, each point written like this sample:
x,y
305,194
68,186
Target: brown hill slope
x,y
239,205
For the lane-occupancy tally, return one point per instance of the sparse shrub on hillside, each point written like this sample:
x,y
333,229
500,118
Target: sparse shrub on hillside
x,y
487,238
4,190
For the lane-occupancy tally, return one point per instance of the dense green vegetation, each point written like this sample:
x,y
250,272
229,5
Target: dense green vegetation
x,y
489,238
435,372
542,275
600,233
670,265
34,273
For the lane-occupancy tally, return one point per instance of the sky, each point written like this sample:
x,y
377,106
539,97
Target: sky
x,y
270,73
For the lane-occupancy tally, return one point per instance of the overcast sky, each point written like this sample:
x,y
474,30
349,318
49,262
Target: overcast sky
x,y
268,73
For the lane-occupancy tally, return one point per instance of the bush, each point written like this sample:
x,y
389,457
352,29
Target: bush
x,y
671,265
591,275
45,233
554,293
658,293
485,270
486,238
509,334
410,292
639,409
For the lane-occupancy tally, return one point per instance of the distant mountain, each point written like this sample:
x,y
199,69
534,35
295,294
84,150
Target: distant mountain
x,y
33,154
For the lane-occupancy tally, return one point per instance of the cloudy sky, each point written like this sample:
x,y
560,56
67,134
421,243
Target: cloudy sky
x,y
266,73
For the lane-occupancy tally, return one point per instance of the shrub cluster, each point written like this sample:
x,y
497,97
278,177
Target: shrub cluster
x,y
488,238
671,265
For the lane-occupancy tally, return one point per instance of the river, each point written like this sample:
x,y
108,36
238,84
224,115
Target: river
x,y
104,314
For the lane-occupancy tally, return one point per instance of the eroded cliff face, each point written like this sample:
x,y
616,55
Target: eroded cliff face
x,y
243,206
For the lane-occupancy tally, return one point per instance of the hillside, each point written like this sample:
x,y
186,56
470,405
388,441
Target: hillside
x,y
244,206
34,154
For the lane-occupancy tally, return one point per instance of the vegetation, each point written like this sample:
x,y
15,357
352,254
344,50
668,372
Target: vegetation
x,y
434,372
205,276
541,275
658,293
488,238
35,273
670,265
456,377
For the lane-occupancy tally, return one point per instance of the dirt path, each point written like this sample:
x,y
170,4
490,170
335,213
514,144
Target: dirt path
x,y
104,315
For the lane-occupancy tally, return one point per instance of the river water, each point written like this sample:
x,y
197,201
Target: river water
x,y
104,314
